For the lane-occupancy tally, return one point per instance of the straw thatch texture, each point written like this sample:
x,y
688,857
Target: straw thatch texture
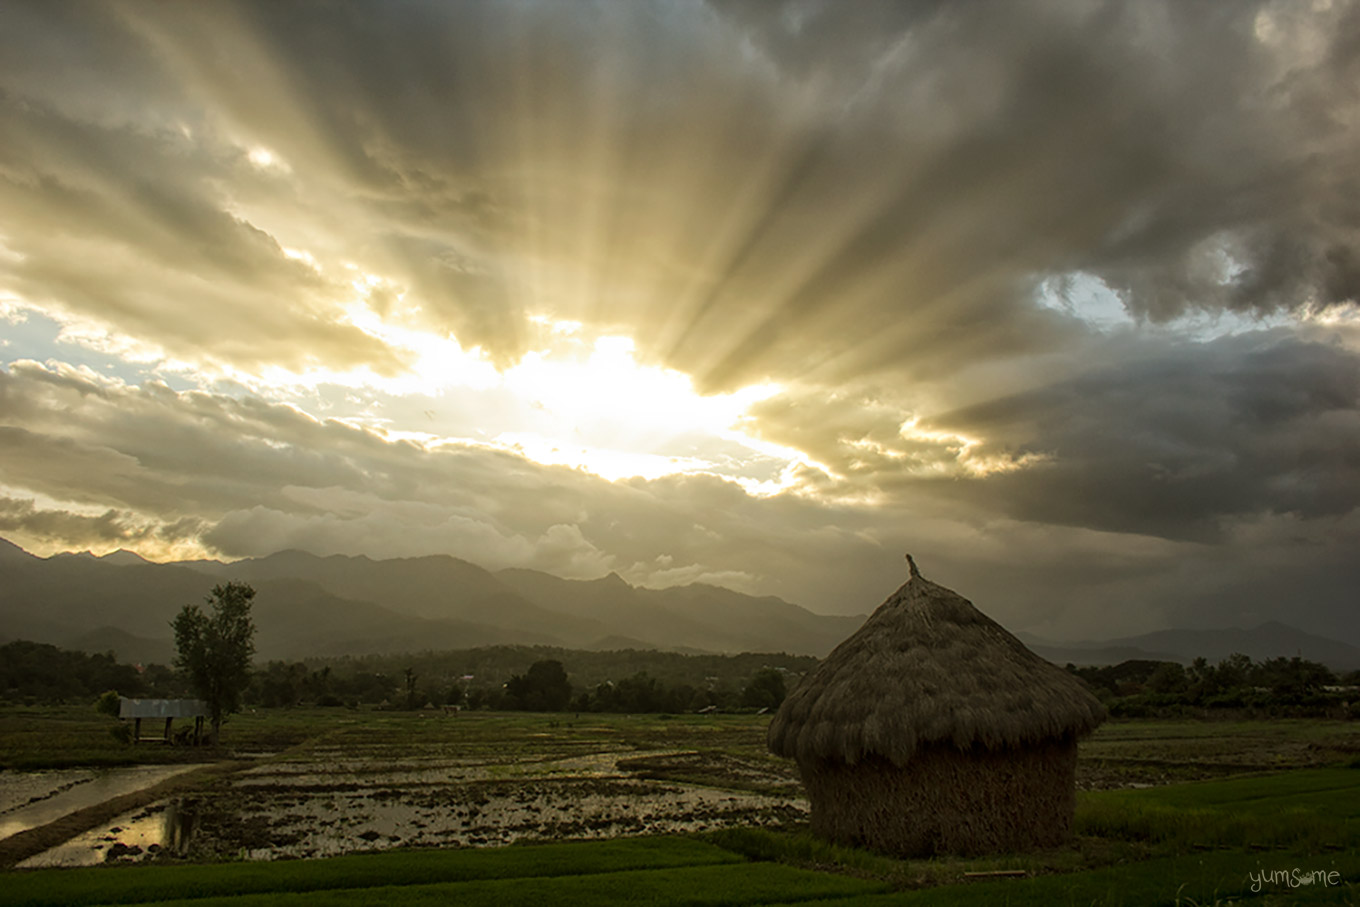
x,y
943,801
929,668
933,730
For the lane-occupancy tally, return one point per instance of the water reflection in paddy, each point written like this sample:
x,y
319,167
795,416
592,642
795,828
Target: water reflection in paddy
x,y
31,799
320,807
131,837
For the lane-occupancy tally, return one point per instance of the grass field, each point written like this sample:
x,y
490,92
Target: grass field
x,y
763,867
1202,842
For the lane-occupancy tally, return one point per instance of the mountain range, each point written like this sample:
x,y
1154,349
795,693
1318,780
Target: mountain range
x,y
1269,640
308,605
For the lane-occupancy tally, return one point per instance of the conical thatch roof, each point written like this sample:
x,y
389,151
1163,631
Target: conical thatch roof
x,y
929,668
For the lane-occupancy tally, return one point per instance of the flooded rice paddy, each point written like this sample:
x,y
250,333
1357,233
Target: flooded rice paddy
x,y
314,785
313,810
334,797
32,799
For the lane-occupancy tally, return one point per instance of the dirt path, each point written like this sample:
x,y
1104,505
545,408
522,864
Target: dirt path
x,y
25,844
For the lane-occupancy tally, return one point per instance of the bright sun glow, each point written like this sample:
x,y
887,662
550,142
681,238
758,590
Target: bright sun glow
x,y
265,159
575,400
617,418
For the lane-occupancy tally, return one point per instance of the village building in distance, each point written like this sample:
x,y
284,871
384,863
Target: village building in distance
x,y
167,710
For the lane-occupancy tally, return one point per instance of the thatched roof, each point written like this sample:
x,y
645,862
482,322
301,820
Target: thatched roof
x,y
929,668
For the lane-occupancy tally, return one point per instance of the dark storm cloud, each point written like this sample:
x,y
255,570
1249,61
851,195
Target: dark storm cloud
x,y
1175,443
66,527
752,190
1195,156
245,477
857,200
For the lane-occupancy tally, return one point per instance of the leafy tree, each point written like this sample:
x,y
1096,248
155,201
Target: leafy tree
x,y
278,685
1168,679
47,673
215,649
765,691
1233,671
1293,680
544,688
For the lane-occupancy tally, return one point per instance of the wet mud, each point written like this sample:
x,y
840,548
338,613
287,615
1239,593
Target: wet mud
x,y
32,799
298,810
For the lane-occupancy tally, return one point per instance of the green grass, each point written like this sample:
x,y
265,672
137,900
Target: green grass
x,y
37,737
1311,809
1186,881
663,870
758,883
803,849
68,736
1189,845
142,884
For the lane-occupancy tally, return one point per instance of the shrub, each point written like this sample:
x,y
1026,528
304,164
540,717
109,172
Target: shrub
x,y
107,704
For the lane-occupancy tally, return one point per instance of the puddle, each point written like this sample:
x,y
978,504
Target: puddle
x,y
20,789
130,838
32,799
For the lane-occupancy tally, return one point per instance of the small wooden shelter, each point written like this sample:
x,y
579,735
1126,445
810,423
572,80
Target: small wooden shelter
x,y
933,730
168,709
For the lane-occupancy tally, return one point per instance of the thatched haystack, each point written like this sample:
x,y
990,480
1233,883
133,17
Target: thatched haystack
x,y
933,730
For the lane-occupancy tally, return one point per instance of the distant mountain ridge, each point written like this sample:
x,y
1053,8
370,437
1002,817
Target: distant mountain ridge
x,y
1269,640
311,605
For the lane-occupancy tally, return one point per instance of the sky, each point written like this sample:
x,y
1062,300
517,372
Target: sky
x,y
1060,297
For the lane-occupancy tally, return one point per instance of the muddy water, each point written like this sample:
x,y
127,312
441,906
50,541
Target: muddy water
x,y
32,799
320,821
306,810
163,829
320,809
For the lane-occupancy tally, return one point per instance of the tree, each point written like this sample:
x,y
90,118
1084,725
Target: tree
x,y
413,699
765,691
544,688
108,704
1168,679
215,649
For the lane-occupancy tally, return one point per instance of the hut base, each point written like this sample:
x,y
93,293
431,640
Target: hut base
x,y
947,801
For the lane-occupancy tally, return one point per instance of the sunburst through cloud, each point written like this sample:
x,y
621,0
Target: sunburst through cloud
x,y
1060,296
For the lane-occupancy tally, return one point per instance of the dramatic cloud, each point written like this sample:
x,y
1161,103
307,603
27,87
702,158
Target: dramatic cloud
x,y
1174,444
1061,295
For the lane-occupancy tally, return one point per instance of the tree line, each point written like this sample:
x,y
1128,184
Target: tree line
x,y
545,686
38,672
1140,688
41,673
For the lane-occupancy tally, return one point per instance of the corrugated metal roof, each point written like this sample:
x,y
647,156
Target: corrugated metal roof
x,y
161,708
